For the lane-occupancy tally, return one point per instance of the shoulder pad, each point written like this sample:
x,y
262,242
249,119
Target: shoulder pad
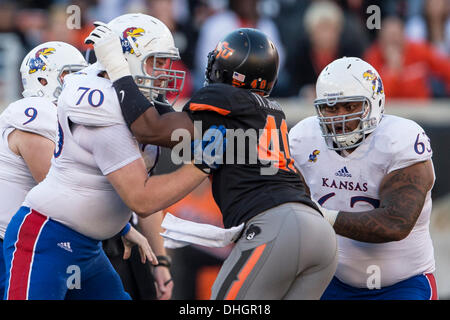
x,y
404,140
220,98
308,127
90,100
33,114
304,137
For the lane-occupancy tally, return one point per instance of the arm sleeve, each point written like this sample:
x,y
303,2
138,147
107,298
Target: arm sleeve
x,y
132,102
112,147
163,106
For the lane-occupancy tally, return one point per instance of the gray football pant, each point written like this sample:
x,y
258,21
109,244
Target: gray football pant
x,y
286,252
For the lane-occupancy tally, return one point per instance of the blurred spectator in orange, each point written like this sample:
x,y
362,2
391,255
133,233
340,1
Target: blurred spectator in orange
x,y
432,25
193,264
406,67
325,40
239,14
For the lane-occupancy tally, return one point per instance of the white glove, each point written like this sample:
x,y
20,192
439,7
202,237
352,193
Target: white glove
x,y
108,50
329,215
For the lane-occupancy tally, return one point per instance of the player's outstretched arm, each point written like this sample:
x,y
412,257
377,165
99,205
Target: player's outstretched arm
x,y
147,195
152,128
150,227
141,116
36,150
402,196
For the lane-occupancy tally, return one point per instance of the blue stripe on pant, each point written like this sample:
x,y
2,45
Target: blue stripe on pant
x,y
64,265
415,288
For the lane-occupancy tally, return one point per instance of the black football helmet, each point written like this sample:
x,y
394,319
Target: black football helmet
x,y
245,58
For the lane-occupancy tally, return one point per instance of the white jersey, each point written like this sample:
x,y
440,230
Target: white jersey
x,y
94,141
352,183
36,115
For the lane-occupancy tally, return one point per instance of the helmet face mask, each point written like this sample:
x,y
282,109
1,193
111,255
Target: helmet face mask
x,y
64,70
347,82
146,41
159,79
344,131
210,76
245,58
49,62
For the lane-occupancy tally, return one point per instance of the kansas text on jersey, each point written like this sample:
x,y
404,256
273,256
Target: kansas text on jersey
x,y
352,184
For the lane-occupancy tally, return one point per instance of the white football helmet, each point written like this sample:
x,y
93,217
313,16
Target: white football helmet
x,y
144,39
48,61
349,79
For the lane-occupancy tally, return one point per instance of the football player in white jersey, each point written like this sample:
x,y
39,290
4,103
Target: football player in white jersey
x,y
372,174
55,236
28,127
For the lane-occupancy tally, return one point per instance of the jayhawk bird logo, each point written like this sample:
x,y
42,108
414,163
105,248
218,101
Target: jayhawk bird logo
x,y
377,85
313,156
37,63
132,32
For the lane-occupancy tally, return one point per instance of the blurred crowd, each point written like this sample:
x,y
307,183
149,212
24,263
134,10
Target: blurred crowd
x,y
410,48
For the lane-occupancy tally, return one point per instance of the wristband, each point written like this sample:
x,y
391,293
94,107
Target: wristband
x,y
125,229
164,261
132,102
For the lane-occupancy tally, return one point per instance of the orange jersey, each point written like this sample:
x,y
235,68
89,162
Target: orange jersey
x,y
420,60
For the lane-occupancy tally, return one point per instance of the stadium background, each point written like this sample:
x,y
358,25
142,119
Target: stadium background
x,y
407,41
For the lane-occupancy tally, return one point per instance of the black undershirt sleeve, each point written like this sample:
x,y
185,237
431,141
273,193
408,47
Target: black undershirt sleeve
x,y
162,106
132,102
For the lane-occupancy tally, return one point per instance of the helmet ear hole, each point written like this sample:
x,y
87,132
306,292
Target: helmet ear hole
x,y
43,81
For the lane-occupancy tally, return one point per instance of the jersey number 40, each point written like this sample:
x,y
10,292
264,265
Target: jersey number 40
x,y
273,149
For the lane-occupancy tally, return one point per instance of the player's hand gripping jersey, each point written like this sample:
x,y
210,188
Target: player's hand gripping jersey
x,y
246,184
351,184
93,141
36,115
